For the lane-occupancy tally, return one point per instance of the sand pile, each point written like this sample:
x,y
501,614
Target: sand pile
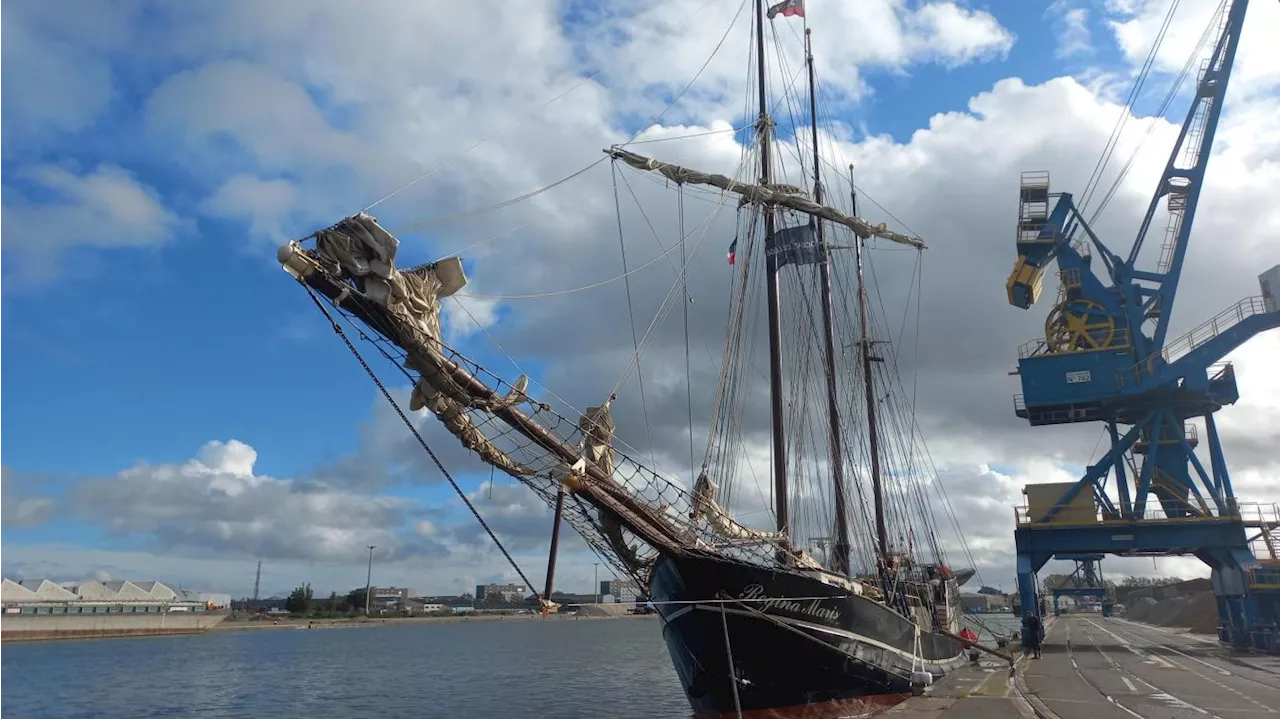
x,y
606,610
1165,611
1199,614
1141,609
1196,611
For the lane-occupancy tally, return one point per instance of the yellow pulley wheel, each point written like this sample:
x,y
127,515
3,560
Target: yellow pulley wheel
x,y
1078,325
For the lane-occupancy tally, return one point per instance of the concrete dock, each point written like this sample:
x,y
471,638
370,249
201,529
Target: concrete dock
x,y
1109,668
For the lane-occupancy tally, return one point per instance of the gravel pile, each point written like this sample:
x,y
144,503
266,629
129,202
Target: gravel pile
x,y
1196,612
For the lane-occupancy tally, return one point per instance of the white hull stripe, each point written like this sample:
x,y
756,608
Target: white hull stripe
x,y
841,633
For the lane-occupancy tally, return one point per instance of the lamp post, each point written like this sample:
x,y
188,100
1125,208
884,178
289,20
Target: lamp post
x,y
368,580
597,581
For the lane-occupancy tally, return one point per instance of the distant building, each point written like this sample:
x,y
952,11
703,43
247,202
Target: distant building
x,y
490,593
414,605
42,596
384,598
620,590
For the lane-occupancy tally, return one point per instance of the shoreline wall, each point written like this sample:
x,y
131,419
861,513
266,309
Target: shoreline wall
x,y
43,627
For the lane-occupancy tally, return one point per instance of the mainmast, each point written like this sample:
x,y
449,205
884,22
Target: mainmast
x,y
764,127
840,552
864,319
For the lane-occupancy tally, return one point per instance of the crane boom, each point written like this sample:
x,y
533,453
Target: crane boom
x,y
1183,175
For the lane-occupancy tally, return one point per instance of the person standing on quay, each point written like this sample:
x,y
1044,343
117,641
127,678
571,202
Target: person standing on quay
x,y
1032,634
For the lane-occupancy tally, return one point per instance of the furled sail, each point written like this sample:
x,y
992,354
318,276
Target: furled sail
x,y
366,251
706,507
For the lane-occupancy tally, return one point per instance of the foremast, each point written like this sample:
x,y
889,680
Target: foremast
x,y
777,405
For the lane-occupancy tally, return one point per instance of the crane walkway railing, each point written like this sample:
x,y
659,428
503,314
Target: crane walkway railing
x,y
1039,346
1156,512
1266,519
1184,345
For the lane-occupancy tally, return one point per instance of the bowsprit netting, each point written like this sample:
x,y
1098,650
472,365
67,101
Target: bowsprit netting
x,y
626,512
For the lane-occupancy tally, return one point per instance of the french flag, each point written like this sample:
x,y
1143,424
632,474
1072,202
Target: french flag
x,y
733,251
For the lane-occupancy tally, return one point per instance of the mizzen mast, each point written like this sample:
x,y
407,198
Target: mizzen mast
x,y
840,552
865,342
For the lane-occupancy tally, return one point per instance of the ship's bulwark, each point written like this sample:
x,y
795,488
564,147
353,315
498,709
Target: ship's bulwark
x,y
799,652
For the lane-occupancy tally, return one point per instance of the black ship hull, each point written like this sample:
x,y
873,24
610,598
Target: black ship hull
x,y
817,644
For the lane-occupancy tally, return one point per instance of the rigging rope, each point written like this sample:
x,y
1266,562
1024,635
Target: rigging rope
x,y
485,241
1126,111
721,201
447,219
555,293
631,315
734,130
1164,106
665,307
482,141
414,430
539,108
688,375
519,370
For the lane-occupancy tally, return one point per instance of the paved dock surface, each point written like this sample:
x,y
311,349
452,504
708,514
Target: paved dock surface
x,y
1109,668
985,691
1095,667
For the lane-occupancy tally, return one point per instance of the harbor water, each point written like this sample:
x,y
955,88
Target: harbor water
x,y
518,668
989,627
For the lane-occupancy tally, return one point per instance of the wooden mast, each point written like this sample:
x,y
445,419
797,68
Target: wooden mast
x,y
840,552
764,128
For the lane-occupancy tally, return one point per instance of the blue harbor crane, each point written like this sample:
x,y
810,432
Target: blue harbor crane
x,y
1106,357
1084,581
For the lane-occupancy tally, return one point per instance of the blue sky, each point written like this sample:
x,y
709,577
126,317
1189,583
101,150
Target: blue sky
x,y
194,330
145,315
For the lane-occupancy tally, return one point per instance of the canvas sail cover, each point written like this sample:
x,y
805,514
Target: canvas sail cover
x,y
361,248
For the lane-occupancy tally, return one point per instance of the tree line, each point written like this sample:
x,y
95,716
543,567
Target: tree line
x,y
302,601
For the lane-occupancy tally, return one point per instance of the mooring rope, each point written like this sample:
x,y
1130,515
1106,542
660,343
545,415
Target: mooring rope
x,y
733,671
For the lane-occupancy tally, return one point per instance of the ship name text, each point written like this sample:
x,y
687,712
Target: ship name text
x,y
812,607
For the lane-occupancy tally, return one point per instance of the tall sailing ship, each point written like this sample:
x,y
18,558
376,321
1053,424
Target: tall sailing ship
x,y
751,617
